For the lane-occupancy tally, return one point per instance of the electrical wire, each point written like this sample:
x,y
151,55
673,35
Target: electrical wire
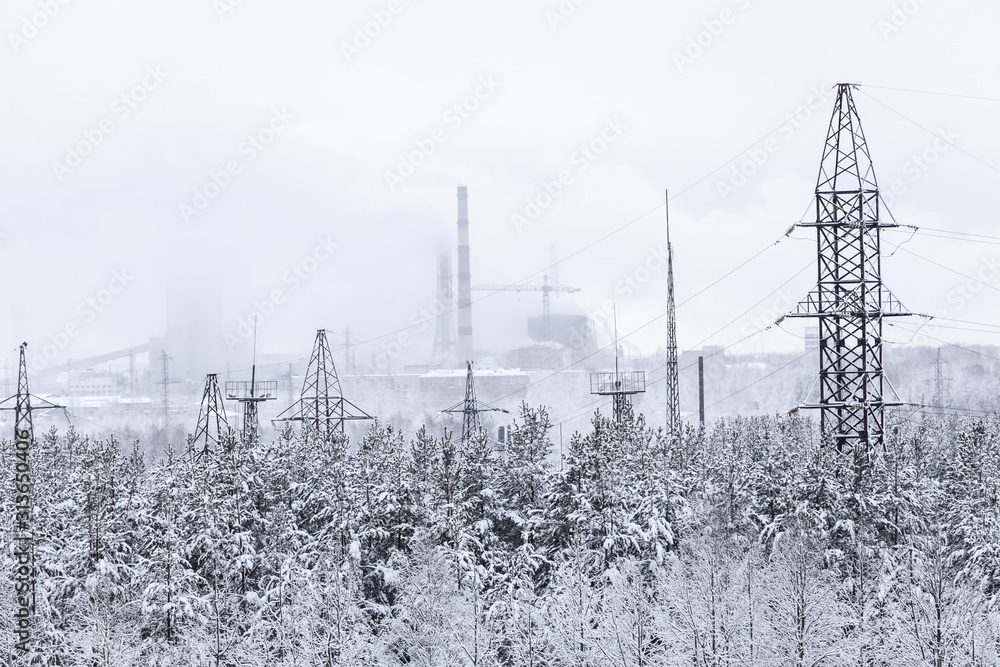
x,y
949,231
946,268
981,324
955,345
575,414
542,271
760,379
931,92
932,133
953,238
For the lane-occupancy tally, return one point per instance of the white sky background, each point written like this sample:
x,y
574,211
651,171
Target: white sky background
x,y
324,176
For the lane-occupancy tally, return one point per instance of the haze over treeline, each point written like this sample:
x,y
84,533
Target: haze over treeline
x,y
749,543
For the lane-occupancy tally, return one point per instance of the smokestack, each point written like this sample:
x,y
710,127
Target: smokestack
x,y
445,352
464,279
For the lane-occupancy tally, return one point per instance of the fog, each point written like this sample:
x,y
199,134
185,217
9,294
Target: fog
x,y
185,169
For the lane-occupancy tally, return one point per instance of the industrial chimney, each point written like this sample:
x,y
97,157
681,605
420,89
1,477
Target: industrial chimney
x,y
445,346
464,279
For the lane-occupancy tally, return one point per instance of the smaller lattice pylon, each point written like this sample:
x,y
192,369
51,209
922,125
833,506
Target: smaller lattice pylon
x,y
212,422
24,578
322,404
470,407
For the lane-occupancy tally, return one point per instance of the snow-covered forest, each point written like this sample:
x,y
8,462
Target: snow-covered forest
x,y
751,543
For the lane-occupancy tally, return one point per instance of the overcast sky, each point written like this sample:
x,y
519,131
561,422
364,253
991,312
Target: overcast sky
x,y
206,157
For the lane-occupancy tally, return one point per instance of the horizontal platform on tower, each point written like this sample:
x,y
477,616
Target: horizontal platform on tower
x,y
618,382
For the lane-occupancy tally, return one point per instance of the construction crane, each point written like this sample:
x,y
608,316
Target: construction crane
x,y
548,285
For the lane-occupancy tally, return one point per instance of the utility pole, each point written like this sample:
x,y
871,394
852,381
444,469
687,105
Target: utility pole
x,y
672,370
849,299
701,391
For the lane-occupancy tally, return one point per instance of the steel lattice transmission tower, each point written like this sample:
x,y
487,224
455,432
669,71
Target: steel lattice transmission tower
x,y
212,422
470,407
322,404
849,299
25,572
673,373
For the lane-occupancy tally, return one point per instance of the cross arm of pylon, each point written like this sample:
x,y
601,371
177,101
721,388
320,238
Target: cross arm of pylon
x,y
811,305
343,408
37,403
478,406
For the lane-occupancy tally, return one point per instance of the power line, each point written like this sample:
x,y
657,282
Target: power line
x,y
981,324
579,411
955,345
947,234
761,379
957,273
932,92
932,133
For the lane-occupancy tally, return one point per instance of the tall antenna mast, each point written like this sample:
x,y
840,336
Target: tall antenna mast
x,y
673,380
619,385
249,394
